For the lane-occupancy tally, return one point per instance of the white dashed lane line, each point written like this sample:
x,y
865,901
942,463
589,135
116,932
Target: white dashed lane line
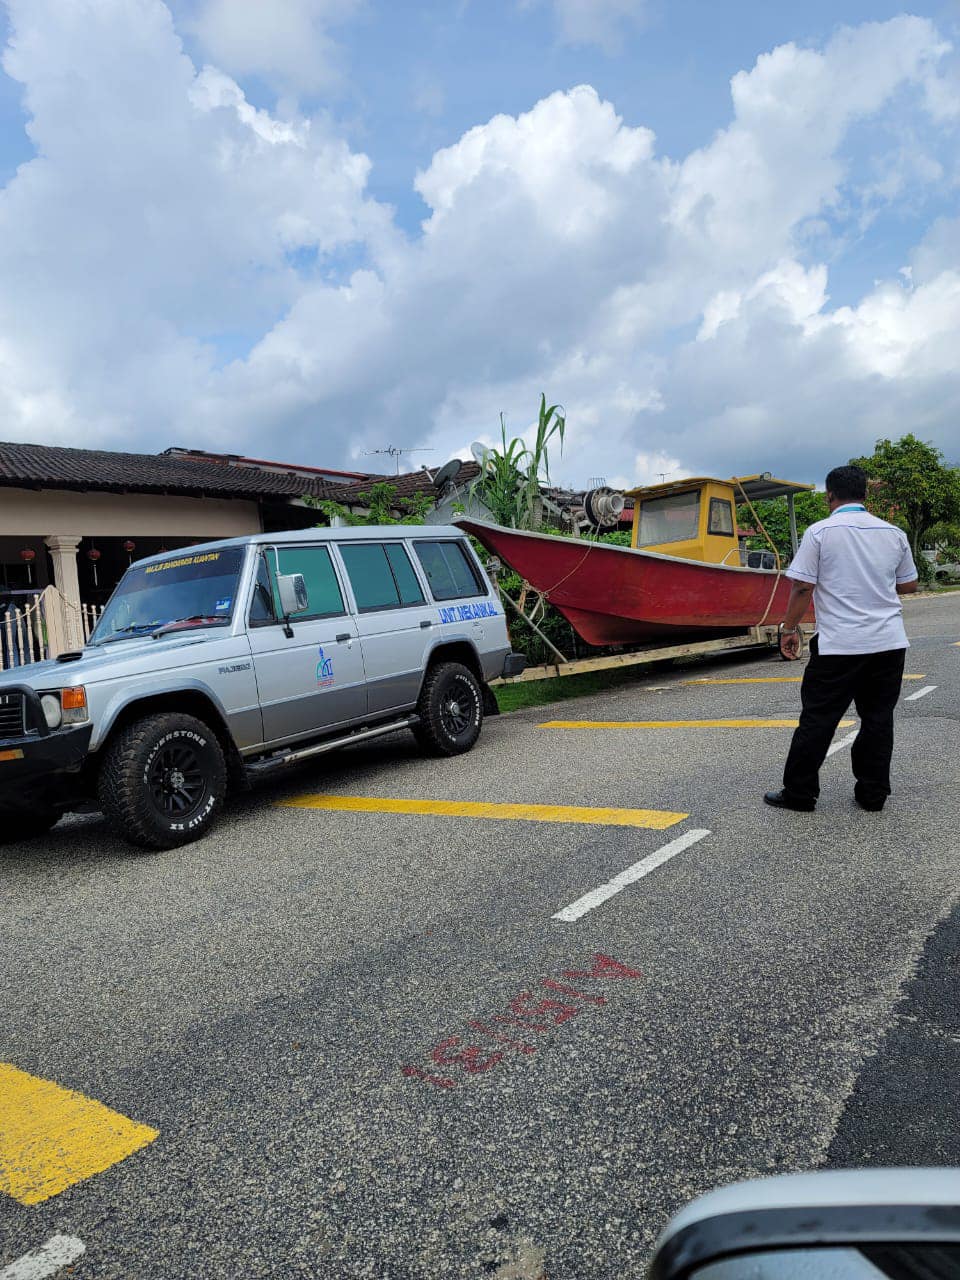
x,y
38,1264
632,874
842,742
921,693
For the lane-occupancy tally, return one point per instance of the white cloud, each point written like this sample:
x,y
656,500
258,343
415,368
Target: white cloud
x,y
158,219
286,42
596,22
174,266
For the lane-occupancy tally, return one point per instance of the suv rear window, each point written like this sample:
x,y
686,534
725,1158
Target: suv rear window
x,y
449,570
381,575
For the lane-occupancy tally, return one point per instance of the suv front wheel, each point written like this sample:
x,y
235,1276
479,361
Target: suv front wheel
x,y
450,710
163,780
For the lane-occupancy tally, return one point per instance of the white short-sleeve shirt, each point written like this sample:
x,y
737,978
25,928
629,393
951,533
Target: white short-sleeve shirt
x,y
855,561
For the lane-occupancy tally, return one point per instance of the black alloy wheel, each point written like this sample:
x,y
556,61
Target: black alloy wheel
x,y
454,714
176,781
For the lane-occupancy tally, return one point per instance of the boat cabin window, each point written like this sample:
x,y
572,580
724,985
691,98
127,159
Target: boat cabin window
x,y
721,517
673,518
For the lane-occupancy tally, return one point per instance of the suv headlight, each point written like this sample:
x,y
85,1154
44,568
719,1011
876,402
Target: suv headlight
x,y
52,712
65,706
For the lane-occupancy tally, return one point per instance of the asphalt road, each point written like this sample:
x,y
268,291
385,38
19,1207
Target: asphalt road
x,y
254,998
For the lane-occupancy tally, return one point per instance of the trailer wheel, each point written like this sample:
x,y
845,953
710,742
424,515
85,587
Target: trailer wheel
x,y
450,710
163,780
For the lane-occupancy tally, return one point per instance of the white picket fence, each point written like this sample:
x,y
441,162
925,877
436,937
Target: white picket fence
x,y
43,627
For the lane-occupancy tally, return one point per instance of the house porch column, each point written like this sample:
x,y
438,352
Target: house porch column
x,y
63,552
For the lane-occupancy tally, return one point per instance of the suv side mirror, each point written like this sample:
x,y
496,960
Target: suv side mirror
x,y
293,593
858,1224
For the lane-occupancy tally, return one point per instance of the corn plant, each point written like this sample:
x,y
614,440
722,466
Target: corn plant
x,y
511,476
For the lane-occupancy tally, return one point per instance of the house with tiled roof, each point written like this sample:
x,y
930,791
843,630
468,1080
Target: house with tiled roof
x,y
74,519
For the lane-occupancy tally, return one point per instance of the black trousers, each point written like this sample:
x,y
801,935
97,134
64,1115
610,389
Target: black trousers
x,y
872,682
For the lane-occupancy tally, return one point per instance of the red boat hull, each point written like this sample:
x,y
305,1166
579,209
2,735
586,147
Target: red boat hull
x,y
619,596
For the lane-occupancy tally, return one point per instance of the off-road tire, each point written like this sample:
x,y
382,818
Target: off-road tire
x,y
441,731
136,799
26,826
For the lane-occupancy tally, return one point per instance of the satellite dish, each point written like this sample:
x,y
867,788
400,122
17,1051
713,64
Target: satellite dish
x,y
447,474
480,452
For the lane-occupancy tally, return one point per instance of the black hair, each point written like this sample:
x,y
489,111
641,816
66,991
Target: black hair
x,y
849,484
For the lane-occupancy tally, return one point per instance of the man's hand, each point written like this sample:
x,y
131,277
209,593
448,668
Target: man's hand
x,y
797,606
790,644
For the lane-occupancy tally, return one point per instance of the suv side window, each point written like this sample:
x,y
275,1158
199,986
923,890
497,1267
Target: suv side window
x,y
323,590
381,575
449,570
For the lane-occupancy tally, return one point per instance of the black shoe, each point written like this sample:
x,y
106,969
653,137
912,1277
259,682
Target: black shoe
x,y
781,800
874,807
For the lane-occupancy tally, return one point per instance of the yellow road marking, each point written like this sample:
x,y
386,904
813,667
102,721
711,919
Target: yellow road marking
x,y
677,724
51,1137
766,680
656,819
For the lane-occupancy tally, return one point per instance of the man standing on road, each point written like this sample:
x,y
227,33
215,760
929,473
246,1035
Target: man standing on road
x,y
855,566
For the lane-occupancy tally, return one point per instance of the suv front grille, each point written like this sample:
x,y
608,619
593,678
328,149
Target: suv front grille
x,y
11,715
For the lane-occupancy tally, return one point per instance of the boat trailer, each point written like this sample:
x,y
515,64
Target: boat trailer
x,y
765,636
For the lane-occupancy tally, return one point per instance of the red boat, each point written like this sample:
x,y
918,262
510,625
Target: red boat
x,y
683,576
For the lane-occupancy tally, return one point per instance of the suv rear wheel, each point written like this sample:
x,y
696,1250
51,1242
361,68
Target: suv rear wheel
x,y
450,710
163,780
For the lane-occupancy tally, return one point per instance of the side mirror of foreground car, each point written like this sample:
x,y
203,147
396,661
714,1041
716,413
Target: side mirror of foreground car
x,y
833,1225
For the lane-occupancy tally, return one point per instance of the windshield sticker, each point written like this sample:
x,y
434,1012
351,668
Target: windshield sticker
x,y
206,558
223,606
464,612
324,671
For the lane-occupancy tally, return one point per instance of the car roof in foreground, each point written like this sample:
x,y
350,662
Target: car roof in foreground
x,y
351,533
825,1188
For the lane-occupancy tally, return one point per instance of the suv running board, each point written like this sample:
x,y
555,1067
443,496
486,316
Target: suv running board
x,y
269,763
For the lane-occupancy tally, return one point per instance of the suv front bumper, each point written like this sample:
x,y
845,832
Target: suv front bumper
x,y
40,767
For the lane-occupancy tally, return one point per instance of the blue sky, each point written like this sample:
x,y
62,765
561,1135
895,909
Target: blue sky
x,y
419,75
293,293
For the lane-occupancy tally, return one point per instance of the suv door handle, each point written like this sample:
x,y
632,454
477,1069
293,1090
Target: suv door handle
x,y
425,626
344,635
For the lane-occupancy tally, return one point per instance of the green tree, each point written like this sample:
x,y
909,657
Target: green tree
x,y
382,503
946,533
914,486
774,513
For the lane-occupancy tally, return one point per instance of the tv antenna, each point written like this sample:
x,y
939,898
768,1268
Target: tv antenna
x,y
394,451
663,475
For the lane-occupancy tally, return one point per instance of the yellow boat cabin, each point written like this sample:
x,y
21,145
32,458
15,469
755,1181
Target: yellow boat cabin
x,y
696,518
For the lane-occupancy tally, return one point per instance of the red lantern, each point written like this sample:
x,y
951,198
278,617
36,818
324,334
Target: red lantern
x,y
28,555
129,547
94,555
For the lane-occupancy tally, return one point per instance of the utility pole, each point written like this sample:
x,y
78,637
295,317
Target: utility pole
x,y
394,451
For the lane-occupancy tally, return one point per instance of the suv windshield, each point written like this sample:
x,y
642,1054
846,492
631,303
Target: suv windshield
x,y
198,588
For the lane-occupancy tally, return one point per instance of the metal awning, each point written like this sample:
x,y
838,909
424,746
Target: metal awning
x,y
756,487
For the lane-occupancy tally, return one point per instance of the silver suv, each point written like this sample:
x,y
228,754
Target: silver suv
x,y
233,659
